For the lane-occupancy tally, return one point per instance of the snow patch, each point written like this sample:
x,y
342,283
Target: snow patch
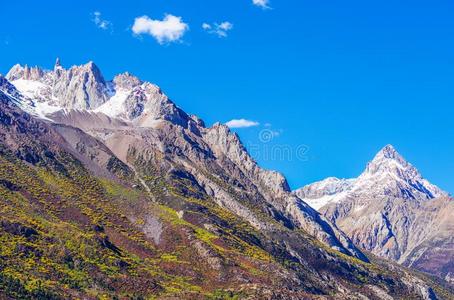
x,y
43,109
33,90
115,106
318,203
29,88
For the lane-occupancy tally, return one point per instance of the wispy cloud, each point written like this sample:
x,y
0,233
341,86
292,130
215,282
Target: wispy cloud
x,y
170,29
100,22
265,4
219,29
241,123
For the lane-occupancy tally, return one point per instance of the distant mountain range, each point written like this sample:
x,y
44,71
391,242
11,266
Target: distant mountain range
x,y
109,190
392,211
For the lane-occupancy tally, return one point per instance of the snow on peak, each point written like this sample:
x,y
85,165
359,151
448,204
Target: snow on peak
x,y
321,193
389,161
389,154
387,175
84,88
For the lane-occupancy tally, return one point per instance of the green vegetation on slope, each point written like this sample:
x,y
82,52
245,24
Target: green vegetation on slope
x,y
67,233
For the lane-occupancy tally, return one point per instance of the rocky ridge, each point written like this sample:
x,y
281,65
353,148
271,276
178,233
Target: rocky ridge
x,y
127,113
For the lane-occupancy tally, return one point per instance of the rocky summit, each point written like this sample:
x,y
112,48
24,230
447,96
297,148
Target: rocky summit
x,y
109,190
391,211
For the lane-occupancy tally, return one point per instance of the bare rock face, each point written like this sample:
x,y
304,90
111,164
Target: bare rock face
x,y
224,142
274,188
433,226
392,211
148,104
9,89
126,81
81,87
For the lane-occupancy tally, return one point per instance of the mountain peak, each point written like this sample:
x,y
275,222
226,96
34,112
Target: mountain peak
x,y
92,68
389,151
392,174
126,81
25,72
83,87
57,63
388,159
387,174
91,65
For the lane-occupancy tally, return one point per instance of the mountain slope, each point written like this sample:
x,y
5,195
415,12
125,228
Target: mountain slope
x,y
134,119
66,234
165,211
392,211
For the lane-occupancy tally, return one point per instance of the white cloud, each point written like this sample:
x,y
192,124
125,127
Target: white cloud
x,y
219,29
241,123
261,3
170,29
225,26
100,22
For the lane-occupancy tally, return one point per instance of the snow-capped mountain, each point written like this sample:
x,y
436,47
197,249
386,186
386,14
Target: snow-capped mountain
x,y
84,88
388,174
392,211
135,119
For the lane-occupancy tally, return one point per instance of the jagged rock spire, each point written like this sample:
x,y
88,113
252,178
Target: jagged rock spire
x,y
57,63
389,160
389,153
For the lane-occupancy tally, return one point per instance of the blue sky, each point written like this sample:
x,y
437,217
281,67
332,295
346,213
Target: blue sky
x,y
338,79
